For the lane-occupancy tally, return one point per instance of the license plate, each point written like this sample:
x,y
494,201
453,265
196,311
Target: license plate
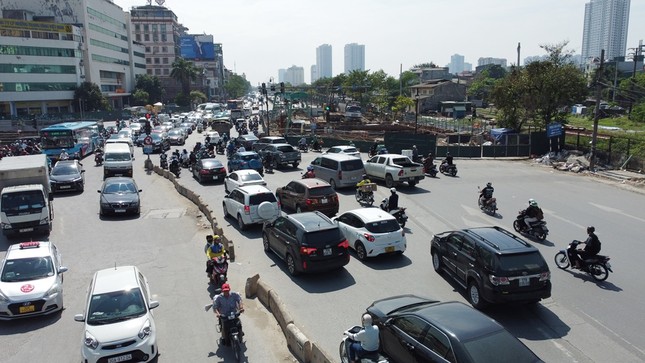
x,y
27,309
26,230
524,281
324,200
404,215
119,210
216,177
65,186
118,174
327,252
389,249
121,358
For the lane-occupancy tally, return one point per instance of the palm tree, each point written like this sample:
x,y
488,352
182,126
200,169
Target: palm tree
x,y
184,72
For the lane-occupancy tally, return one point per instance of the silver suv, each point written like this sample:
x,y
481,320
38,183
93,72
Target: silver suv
x,y
253,204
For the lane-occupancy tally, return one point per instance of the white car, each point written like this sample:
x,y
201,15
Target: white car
x,y
31,280
344,149
119,324
214,136
240,178
251,204
372,232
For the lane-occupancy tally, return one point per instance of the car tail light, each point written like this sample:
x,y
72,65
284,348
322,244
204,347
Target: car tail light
x,y
401,172
307,250
247,209
309,201
545,276
204,171
344,244
222,170
369,237
340,175
498,280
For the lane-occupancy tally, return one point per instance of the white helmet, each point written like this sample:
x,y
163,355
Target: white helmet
x,y
393,190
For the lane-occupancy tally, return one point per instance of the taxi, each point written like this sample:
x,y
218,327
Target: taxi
x,y
31,280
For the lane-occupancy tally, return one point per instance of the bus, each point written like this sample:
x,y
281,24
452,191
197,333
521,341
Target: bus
x,y
234,104
80,137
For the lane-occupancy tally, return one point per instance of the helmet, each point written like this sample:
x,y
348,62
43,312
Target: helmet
x,y
393,190
310,167
64,150
532,202
591,229
447,154
365,176
489,184
367,320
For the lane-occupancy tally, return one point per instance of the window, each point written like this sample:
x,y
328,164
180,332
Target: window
x,y
164,49
164,60
164,38
148,60
136,27
146,27
156,60
158,72
146,38
147,49
166,71
439,343
137,37
412,326
155,37
155,49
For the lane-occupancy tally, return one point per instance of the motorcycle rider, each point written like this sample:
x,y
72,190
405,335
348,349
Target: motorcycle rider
x,y
428,161
224,304
364,181
98,156
393,201
448,159
302,143
63,155
310,172
365,341
184,157
532,214
486,194
591,249
268,162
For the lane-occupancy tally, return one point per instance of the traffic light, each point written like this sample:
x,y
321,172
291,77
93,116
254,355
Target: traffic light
x,y
148,128
148,116
281,87
264,88
272,88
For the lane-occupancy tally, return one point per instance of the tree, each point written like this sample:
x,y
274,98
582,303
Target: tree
x,y
151,85
401,104
236,86
141,97
485,81
198,97
90,97
425,65
184,72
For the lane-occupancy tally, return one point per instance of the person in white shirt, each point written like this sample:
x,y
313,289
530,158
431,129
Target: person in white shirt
x,y
365,341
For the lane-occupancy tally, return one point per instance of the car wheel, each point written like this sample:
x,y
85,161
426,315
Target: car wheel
x,y
295,165
291,265
475,296
265,242
225,210
361,253
240,222
389,181
436,261
332,183
413,183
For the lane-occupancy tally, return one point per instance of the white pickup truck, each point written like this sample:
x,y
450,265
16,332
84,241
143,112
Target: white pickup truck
x,y
394,169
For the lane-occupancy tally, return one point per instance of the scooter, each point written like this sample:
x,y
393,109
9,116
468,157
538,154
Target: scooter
x,y
303,148
446,169
598,266
399,214
163,161
538,229
98,159
489,207
431,170
175,167
218,267
365,194
309,175
343,349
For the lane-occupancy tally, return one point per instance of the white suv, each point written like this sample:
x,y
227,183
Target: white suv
x,y
253,204
119,325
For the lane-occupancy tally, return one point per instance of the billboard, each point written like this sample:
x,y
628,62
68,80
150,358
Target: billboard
x,y
197,47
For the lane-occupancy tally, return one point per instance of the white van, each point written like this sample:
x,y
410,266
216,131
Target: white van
x,y
117,160
121,140
339,170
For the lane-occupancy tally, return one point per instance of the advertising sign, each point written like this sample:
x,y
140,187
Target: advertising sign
x,y
197,47
554,129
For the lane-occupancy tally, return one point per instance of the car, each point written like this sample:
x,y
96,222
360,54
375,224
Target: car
x,y
268,140
187,126
418,329
344,149
119,195
208,169
492,264
136,128
247,141
115,139
283,154
306,195
125,134
241,178
119,323
176,136
251,204
307,242
67,175
31,280
160,142
214,135
372,232
245,160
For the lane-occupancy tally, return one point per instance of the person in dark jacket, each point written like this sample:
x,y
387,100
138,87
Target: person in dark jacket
x,y
591,249
393,201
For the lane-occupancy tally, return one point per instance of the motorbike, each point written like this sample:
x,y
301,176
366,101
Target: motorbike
x,y
446,169
315,146
399,213
430,170
200,128
163,161
365,194
218,267
98,159
538,229
268,165
175,168
303,148
308,175
219,149
234,337
343,349
490,207
598,266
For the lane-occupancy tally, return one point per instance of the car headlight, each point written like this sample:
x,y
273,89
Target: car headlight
x,y
44,220
90,341
55,289
146,330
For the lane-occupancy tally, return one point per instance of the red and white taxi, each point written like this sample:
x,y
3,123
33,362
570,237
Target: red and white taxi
x,y
31,280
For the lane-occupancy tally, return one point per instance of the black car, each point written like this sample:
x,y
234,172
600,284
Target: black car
x,y
67,175
416,329
119,195
308,242
282,154
209,169
247,141
493,264
160,142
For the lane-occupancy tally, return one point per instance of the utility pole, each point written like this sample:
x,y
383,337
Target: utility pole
x,y
518,55
594,137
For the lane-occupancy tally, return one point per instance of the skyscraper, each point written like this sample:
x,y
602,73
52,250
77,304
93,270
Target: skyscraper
x,y
605,27
354,57
456,63
323,62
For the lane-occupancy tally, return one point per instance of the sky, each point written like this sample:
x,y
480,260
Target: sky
x,y
259,37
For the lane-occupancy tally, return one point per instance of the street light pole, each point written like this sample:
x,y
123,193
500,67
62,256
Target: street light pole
x,y
416,111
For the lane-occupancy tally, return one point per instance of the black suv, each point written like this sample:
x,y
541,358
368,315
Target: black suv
x,y
308,242
494,265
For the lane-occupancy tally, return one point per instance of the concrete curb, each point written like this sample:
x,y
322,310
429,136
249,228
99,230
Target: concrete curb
x,y
303,349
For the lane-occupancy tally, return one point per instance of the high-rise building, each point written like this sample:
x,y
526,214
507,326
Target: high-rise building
x,y
314,73
354,57
323,61
281,74
484,61
456,63
294,75
605,27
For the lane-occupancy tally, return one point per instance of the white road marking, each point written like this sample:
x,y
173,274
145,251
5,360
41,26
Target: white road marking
x,y
616,211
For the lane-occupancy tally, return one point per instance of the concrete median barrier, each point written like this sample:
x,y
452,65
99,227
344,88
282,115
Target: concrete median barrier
x,y
298,343
279,310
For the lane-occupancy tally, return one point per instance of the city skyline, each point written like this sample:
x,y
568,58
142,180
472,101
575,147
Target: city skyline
x,y
605,27
480,28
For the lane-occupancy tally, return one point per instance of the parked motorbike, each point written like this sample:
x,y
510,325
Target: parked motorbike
x,y
446,169
218,267
538,229
98,159
309,174
163,161
343,349
219,149
598,266
399,214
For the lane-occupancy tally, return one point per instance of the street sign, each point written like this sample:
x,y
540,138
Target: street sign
x,y
147,149
147,140
554,129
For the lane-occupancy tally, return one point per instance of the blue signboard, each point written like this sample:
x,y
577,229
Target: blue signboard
x,y
197,47
554,129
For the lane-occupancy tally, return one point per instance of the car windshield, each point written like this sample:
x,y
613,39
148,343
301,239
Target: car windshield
x,y
256,199
26,269
64,170
322,238
286,148
389,225
117,157
351,165
532,261
350,150
115,306
174,133
510,349
210,164
250,177
119,188
321,191
250,157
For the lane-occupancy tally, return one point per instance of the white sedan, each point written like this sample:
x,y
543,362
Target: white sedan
x,y
214,136
344,149
241,178
372,232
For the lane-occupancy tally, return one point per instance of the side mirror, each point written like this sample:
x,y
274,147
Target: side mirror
x,y
79,317
82,171
62,269
153,304
140,190
98,191
50,197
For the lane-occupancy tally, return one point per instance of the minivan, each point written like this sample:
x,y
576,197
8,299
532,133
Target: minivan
x,y
117,160
114,139
339,170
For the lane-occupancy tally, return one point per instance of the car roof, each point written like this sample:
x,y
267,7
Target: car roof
x,y
245,171
499,240
343,147
277,145
272,138
340,156
67,162
254,189
371,214
211,161
15,251
249,137
246,153
312,182
115,279
459,320
311,221
118,179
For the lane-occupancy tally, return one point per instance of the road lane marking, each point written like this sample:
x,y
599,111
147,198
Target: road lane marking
x,y
616,211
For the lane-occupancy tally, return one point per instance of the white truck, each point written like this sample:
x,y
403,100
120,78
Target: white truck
x,y
394,169
25,195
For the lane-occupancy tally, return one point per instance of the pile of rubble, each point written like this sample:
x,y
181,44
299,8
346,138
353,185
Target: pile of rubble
x,y
565,160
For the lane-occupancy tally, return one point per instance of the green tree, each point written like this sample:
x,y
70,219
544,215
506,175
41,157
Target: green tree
x,y
198,97
401,104
151,85
90,97
425,65
141,97
485,81
184,72
182,100
236,86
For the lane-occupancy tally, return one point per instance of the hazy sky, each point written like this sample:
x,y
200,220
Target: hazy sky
x,y
261,36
